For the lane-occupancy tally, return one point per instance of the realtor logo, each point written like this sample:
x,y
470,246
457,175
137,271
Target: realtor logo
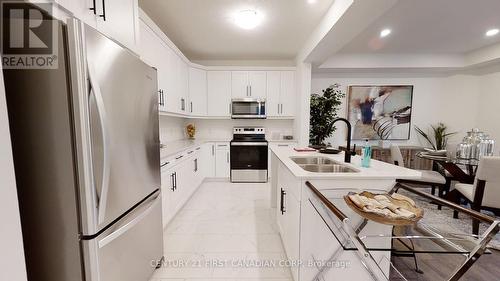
x,y
29,35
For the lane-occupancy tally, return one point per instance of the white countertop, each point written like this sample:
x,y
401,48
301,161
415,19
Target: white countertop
x,y
173,147
377,170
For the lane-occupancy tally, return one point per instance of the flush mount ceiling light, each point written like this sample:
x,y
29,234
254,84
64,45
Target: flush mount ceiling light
x,y
312,1
492,32
385,32
248,19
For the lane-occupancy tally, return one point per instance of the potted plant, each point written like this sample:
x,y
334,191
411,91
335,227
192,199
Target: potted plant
x,y
439,138
324,109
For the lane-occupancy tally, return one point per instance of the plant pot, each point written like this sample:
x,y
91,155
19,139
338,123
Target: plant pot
x,y
317,146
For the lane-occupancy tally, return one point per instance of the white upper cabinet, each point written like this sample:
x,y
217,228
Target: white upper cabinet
x,y
257,82
154,52
82,9
219,93
197,92
281,93
248,84
239,84
118,19
273,104
183,84
287,94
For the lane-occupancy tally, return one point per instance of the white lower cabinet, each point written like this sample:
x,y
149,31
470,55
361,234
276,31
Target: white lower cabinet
x,y
288,215
290,145
185,172
179,182
208,160
222,160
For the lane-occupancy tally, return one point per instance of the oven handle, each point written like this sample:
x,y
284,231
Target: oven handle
x,y
249,144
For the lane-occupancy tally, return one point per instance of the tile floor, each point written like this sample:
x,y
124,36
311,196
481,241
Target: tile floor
x,y
224,232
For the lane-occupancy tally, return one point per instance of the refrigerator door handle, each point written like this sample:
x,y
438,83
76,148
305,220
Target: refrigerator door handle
x,y
102,192
117,233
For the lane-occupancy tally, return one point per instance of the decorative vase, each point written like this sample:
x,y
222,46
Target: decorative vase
x,y
191,131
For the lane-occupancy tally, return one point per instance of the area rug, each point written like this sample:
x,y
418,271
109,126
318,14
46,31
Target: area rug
x,y
444,220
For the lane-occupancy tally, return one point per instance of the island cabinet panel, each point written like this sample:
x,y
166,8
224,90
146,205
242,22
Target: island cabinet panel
x,y
288,216
323,244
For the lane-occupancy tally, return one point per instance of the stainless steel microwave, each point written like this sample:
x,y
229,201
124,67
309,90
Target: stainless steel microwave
x,y
248,108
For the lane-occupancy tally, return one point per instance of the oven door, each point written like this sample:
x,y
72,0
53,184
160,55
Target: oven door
x,y
248,109
249,161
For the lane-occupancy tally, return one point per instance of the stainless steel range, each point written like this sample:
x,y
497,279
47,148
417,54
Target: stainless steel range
x,y
249,155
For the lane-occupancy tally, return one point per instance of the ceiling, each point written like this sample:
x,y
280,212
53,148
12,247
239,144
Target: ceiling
x,y
203,29
430,27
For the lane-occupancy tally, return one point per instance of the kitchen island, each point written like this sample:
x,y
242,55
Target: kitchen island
x,y
314,244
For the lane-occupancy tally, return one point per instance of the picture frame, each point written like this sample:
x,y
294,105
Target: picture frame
x,y
380,112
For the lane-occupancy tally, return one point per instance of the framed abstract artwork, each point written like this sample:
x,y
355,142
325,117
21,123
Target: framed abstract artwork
x,y
380,112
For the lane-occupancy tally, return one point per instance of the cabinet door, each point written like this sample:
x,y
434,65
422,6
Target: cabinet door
x,y
222,168
257,83
172,78
167,190
292,230
81,9
287,93
207,163
183,181
153,52
183,81
273,105
240,87
197,92
119,21
219,93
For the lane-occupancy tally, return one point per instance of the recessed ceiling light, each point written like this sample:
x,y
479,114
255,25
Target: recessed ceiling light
x,y
248,19
312,1
385,32
492,32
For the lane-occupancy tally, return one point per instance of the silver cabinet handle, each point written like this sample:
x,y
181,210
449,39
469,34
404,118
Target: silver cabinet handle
x,y
250,90
179,157
230,108
282,145
213,150
102,193
191,107
227,156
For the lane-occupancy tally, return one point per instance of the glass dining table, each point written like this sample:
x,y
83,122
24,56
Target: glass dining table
x,y
459,169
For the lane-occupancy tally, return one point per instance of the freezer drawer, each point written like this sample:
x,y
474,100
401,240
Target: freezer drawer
x,y
129,250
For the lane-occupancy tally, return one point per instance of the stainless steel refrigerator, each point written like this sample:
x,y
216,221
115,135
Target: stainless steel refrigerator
x,y
86,153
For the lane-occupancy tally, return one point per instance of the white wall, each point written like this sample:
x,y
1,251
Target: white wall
x,y
488,114
452,100
173,128
12,265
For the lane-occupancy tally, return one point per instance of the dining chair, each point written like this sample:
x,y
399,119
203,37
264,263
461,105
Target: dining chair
x,y
484,194
429,178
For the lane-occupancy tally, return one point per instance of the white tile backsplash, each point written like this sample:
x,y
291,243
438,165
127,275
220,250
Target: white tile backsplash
x,y
173,128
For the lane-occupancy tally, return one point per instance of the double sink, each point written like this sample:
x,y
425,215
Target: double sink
x,y
322,165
